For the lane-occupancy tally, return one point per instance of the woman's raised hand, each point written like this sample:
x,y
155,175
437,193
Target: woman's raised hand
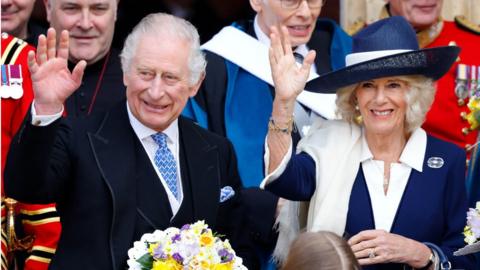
x,y
52,82
289,79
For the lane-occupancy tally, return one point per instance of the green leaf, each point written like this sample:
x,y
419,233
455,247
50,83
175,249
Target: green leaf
x,y
146,261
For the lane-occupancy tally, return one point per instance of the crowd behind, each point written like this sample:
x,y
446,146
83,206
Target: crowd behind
x,y
306,147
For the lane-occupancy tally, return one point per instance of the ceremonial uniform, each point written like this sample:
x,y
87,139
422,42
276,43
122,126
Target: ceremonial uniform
x,y
41,221
446,116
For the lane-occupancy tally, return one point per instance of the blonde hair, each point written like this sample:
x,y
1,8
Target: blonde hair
x,y
419,98
320,250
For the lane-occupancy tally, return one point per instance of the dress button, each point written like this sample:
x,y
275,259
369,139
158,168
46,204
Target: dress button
x,y
465,131
463,115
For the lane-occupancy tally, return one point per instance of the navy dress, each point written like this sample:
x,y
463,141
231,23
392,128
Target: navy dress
x,y
432,209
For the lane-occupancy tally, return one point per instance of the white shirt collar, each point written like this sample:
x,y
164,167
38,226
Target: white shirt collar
x,y
143,131
264,39
412,155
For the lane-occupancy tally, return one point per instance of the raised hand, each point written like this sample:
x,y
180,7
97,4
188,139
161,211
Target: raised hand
x,y
289,79
52,82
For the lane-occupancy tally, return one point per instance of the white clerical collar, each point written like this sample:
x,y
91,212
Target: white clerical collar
x,y
143,131
264,39
412,155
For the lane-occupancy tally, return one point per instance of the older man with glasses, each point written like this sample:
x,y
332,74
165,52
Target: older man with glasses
x,y
235,99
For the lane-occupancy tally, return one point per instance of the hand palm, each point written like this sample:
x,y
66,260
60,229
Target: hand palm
x,y
52,82
288,77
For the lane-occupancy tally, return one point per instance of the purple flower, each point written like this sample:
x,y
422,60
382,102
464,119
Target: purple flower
x,y
185,227
225,256
177,257
158,252
176,238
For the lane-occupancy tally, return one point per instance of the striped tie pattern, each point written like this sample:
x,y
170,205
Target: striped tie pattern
x,y
165,162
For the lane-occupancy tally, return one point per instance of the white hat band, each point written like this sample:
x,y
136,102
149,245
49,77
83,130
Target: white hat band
x,y
355,58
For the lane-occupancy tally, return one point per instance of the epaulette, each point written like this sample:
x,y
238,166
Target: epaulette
x,y
12,49
355,27
466,24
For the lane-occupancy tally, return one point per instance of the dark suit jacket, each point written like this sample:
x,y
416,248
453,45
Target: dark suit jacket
x,y
108,193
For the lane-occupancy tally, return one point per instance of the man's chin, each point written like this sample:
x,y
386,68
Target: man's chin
x,y
89,57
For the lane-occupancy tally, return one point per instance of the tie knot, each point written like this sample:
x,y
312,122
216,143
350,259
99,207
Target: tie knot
x,y
298,57
160,138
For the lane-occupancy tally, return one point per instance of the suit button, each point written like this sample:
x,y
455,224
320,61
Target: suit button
x,y
83,108
465,131
463,115
82,94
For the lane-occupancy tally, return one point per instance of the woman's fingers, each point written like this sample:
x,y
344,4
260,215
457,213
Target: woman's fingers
x,y
287,45
276,44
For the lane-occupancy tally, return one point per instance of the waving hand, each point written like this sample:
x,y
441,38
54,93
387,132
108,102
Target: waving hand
x,y
52,82
289,79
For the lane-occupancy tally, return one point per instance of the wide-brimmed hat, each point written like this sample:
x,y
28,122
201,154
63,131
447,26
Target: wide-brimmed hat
x,y
388,47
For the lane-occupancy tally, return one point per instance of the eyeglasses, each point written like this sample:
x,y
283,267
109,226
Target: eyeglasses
x,y
294,4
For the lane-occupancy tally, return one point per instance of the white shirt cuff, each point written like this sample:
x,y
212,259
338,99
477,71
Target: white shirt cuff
x,y
281,167
44,120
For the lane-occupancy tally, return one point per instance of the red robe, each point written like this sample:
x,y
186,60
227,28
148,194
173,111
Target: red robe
x,y
42,221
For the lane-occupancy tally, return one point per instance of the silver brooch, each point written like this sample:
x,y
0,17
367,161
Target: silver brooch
x,y
435,162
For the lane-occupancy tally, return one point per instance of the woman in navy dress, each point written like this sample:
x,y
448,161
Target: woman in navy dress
x,y
374,177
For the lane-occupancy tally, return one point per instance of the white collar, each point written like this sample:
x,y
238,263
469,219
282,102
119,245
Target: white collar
x,y
264,39
143,131
412,155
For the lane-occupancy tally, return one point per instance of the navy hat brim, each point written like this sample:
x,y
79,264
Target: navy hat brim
x,y
432,63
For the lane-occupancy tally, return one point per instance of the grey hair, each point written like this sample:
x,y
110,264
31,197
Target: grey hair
x,y
419,98
161,23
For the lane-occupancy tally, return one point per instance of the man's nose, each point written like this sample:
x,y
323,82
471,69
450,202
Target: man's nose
x,y
85,20
157,90
303,9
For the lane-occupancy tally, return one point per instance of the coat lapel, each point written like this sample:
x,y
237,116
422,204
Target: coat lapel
x,y
113,147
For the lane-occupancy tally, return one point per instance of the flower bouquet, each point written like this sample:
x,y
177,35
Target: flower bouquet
x,y
473,117
194,246
471,232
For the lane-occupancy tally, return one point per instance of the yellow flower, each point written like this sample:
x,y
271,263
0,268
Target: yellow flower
x,y
169,264
204,264
223,266
152,247
474,116
207,239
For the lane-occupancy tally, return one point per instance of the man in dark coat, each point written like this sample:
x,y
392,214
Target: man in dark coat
x,y
106,172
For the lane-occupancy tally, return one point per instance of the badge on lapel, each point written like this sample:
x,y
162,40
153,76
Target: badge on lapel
x,y
435,162
226,193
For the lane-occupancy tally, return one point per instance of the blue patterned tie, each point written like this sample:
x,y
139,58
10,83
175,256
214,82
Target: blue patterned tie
x,y
166,163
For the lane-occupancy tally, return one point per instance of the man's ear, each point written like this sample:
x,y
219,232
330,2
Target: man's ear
x,y
257,5
48,8
194,88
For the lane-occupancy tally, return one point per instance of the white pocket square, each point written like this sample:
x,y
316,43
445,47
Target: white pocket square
x,y
226,193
